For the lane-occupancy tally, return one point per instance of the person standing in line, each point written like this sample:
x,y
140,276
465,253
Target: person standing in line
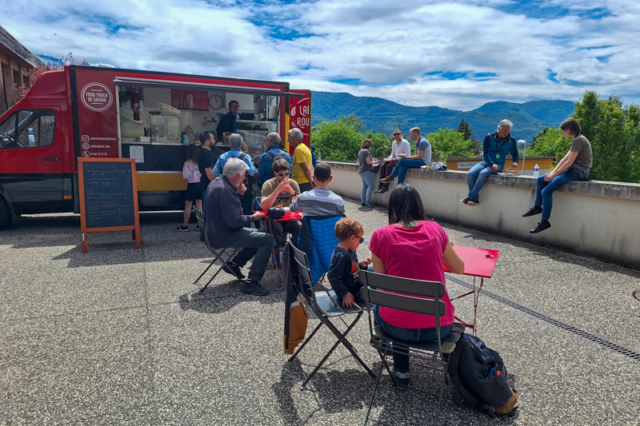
x,y
365,167
422,158
235,142
399,146
191,173
207,157
495,148
302,171
576,165
272,145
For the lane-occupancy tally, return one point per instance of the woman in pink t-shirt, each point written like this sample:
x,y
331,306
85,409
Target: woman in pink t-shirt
x,y
412,247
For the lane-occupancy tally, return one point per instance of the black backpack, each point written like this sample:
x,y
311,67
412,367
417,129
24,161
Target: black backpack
x,y
479,378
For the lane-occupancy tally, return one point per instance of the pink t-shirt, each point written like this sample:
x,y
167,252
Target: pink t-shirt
x,y
413,253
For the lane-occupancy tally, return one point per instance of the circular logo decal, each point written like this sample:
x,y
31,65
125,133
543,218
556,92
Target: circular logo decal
x,y
96,97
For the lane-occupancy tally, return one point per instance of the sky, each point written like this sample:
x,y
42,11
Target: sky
x,y
457,55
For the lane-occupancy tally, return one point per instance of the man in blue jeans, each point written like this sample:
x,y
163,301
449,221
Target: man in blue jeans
x,y
422,158
495,148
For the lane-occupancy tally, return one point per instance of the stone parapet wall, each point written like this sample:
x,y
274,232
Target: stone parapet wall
x,y
596,218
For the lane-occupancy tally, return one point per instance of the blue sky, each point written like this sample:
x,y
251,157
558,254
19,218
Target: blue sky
x,y
450,54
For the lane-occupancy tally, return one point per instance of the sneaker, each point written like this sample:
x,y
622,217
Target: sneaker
x,y
383,190
253,287
473,202
465,200
233,269
403,380
544,224
183,229
533,211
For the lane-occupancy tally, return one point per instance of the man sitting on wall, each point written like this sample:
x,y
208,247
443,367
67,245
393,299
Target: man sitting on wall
x,y
272,144
319,201
226,226
399,146
422,158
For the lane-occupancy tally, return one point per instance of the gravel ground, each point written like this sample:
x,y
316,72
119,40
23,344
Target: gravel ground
x,y
121,336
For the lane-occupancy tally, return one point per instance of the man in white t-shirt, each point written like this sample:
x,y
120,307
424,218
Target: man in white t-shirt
x,y
399,146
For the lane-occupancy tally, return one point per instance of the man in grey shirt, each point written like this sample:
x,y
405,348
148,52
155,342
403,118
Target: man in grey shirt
x,y
319,201
422,157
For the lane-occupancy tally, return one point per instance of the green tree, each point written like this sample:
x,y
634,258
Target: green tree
x,y
338,140
550,142
448,142
613,132
465,128
381,144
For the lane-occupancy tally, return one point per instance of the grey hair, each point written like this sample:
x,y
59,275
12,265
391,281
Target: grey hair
x,y
505,123
233,167
296,133
274,138
235,141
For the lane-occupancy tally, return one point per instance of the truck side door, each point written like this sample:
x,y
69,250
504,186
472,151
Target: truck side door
x,y
31,161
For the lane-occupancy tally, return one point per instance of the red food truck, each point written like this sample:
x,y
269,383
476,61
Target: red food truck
x,y
84,111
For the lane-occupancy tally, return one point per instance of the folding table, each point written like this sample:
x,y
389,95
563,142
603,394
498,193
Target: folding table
x,y
478,263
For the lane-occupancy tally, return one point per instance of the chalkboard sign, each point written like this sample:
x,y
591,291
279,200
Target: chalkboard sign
x,y
108,196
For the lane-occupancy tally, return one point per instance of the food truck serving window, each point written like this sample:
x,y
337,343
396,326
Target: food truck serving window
x,y
28,129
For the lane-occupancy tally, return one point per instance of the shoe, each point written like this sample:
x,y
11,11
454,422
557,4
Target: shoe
x,y
544,224
367,205
233,269
253,287
387,179
473,202
533,211
362,204
465,200
403,380
183,229
198,228
383,190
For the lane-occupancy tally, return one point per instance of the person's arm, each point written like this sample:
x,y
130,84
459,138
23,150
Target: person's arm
x,y
217,169
267,202
514,154
563,165
248,162
233,218
378,265
485,150
209,172
296,206
338,265
307,172
451,260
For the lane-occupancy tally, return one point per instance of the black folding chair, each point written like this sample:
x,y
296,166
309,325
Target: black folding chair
x,y
223,253
376,288
325,305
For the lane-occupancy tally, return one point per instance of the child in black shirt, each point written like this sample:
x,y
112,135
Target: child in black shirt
x,y
344,262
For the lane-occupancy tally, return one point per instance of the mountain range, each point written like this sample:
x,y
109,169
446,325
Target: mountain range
x,y
379,114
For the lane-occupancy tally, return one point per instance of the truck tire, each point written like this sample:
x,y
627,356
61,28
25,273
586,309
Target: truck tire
x,y
5,214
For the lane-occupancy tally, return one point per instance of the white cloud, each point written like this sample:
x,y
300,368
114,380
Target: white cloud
x,y
396,46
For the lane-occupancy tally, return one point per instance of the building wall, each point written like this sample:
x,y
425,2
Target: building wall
x,y
598,219
13,70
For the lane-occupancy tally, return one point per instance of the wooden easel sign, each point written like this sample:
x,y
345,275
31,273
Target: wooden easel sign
x,y
108,197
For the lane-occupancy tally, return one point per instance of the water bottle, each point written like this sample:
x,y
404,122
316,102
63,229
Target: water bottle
x,y
536,171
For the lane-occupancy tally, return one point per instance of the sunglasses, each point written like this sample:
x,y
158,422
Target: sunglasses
x,y
360,238
396,134
283,174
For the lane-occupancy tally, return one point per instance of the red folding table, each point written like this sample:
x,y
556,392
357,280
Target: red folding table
x,y
478,263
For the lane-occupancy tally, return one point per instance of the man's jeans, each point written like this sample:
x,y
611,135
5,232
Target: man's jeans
x,y
401,168
253,243
400,352
545,189
367,187
477,176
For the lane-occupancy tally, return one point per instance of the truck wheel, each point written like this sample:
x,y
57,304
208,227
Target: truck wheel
x,y
5,214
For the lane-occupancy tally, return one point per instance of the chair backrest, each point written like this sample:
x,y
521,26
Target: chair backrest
x,y
376,288
301,265
318,239
203,232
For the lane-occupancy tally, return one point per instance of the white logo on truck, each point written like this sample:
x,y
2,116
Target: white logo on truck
x,y
96,97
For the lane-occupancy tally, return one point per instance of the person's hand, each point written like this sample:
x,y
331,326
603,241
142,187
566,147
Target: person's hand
x,y
348,301
258,216
514,164
401,155
548,177
227,133
494,167
386,160
365,263
285,185
241,190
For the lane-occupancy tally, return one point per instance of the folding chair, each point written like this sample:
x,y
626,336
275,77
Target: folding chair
x,y
325,305
318,239
408,295
218,253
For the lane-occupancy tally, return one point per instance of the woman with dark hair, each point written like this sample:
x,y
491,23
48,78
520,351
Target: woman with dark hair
x,y
412,247
574,166
365,168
